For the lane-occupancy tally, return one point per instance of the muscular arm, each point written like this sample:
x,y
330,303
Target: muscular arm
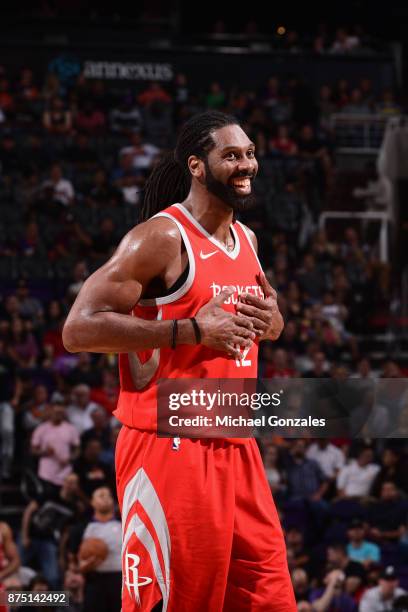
x,y
99,320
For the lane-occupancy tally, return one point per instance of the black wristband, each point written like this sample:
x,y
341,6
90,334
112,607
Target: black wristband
x,y
174,332
197,331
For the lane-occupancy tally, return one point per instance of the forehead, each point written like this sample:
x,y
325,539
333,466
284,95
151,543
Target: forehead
x,y
230,136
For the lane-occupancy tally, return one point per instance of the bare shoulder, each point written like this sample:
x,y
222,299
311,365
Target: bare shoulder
x,y
5,531
252,236
155,235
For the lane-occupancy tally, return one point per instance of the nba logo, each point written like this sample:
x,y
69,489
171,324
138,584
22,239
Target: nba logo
x,y
176,444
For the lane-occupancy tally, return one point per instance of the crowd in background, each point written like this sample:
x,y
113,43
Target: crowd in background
x,y
74,157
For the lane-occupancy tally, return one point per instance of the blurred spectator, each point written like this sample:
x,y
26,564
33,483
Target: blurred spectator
x,y
81,407
100,430
382,597
126,117
55,442
387,516
153,93
128,179
356,105
36,409
278,366
90,120
328,456
142,153
23,348
359,549
103,582
273,469
62,191
344,42
332,595
305,478
57,119
92,472
354,572
388,106
298,555
319,370
9,557
391,470
44,522
29,306
86,371
355,478
215,97
283,143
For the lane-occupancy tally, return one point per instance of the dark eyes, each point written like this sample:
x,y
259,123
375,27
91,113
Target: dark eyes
x,y
231,155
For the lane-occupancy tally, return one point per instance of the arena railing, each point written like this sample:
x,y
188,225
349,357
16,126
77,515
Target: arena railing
x,y
358,133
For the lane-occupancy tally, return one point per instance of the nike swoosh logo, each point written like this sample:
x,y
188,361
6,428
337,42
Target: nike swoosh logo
x,y
207,255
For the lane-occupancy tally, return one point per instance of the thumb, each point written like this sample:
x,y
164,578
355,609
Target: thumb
x,y
224,295
267,288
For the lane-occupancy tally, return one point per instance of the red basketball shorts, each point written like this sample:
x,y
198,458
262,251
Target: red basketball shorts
x,y
200,529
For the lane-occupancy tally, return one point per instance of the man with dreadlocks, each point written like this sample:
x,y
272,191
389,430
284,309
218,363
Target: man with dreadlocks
x,y
184,296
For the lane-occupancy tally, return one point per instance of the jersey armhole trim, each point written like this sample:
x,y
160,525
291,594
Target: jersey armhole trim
x,y
176,295
251,244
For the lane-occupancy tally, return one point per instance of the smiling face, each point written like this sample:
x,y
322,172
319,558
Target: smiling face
x,y
230,167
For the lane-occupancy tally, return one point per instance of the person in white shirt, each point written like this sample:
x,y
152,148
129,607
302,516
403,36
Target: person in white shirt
x,y
382,597
330,458
355,478
80,410
62,189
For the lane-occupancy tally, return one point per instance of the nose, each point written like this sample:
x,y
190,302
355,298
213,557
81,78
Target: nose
x,y
247,167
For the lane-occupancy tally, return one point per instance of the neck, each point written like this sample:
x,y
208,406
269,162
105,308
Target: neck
x,y
104,517
212,213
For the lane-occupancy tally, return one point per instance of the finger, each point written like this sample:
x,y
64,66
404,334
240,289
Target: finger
x,y
224,295
242,342
254,312
266,304
233,351
243,322
267,288
243,332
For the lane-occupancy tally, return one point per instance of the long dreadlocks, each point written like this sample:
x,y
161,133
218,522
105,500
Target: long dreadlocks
x,y
170,179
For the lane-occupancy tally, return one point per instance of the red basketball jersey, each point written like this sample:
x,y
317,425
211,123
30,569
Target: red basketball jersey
x,y
211,269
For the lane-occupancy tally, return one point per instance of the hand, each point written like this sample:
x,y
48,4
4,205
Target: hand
x,y
49,451
89,564
223,330
264,314
26,541
335,577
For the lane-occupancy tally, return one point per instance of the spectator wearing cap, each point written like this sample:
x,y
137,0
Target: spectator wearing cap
x,y
359,549
55,442
382,597
355,478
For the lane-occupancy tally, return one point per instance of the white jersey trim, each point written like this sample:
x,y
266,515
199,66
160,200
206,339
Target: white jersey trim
x,y
176,295
231,254
251,244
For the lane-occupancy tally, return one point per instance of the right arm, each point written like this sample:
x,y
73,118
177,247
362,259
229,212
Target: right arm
x,y
99,320
25,525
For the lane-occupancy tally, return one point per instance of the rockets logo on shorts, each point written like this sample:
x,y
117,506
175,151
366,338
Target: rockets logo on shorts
x,y
132,579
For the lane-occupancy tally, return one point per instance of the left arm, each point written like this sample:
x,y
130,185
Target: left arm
x,y
264,314
10,551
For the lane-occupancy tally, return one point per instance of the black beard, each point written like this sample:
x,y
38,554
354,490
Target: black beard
x,y
226,193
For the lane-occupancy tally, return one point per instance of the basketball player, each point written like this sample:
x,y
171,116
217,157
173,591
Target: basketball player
x,y
200,529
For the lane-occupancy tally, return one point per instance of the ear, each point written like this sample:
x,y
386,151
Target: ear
x,y
196,166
